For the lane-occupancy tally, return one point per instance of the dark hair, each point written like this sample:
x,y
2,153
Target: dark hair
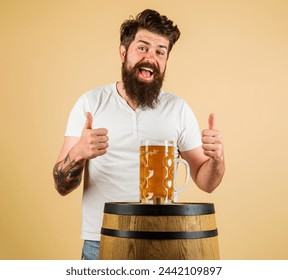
x,y
153,22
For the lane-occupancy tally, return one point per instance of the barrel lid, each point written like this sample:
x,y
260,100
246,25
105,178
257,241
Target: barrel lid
x,y
175,209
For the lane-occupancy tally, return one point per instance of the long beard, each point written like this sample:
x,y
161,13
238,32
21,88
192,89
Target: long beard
x,y
145,94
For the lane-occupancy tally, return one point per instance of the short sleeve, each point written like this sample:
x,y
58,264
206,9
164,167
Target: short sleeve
x,y
190,136
77,117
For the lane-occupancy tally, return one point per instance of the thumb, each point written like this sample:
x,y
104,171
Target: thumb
x,y
89,121
211,121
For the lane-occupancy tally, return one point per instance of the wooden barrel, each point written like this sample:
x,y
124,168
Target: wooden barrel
x,y
180,231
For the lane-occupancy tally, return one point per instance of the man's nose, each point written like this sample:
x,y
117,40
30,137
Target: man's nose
x,y
150,55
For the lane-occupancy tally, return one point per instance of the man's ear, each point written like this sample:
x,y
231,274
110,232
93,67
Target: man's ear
x,y
122,52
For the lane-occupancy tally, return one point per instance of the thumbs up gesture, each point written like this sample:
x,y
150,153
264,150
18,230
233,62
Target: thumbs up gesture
x,y
212,141
93,142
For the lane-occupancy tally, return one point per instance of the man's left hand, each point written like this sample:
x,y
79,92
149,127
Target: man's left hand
x,y
212,140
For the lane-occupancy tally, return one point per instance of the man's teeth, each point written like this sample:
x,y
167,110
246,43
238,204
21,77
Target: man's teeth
x,y
147,69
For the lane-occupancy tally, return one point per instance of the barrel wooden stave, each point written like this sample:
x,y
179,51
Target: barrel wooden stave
x,y
118,248
159,223
145,249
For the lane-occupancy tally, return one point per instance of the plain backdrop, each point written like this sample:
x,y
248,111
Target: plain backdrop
x,y
231,59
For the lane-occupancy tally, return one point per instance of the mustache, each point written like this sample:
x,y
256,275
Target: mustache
x,y
147,64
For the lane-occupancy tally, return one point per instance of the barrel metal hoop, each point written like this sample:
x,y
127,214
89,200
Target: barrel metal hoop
x,y
159,235
180,209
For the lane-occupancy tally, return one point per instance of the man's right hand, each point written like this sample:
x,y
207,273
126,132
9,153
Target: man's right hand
x,y
93,142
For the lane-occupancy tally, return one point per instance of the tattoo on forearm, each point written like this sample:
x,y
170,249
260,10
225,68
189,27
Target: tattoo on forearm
x,y
67,175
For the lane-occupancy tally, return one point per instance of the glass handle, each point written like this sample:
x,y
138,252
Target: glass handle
x,y
182,188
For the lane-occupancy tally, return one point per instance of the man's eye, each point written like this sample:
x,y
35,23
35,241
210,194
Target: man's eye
x,y
160,52
143,49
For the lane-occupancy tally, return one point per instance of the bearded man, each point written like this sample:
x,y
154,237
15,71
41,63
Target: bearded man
x,y
131,110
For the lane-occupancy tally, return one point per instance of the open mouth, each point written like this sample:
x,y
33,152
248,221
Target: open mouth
x,y
146,72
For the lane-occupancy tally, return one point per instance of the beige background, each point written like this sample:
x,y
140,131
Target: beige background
x,y
232,59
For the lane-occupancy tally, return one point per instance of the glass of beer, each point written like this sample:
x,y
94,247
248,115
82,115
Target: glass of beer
x,y
158,172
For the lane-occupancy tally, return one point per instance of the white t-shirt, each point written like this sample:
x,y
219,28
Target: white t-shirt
x,y
115,175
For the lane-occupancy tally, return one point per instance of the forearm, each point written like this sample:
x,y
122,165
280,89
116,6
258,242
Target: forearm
x,y
68,174
210,174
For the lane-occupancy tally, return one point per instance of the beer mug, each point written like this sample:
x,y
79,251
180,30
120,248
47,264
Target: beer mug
x,y
158,171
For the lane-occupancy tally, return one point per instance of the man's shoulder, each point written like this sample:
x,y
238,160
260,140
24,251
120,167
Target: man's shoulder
x,y
101,90
169,97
